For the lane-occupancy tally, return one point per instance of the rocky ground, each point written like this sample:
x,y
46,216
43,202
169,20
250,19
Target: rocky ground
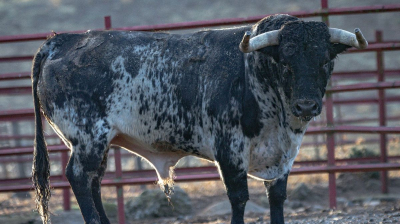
x,y
359,201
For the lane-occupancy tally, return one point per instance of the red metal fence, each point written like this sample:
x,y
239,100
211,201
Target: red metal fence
x,y
330,166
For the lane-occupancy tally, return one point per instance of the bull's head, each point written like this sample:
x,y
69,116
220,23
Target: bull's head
x,y
304,53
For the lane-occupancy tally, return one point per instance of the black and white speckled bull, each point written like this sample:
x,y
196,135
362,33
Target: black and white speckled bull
x,y
240,97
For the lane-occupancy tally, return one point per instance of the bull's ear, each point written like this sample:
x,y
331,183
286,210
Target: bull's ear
x,y
337,49
272,51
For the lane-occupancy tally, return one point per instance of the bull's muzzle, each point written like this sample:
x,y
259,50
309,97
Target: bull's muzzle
x,y
306,109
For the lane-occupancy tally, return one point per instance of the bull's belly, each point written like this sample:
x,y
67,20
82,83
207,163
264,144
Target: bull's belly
x,y
160,154
165,137
142,146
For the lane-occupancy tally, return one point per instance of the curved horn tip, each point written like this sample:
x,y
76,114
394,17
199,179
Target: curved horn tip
x,y
363,43
244,44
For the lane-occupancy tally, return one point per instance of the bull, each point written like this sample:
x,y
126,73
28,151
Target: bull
x,y
239,97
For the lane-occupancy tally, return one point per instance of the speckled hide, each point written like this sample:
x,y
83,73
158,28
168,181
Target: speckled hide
x,y
165,96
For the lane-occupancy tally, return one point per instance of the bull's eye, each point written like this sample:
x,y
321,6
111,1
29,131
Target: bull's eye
x,y
326,64
326,60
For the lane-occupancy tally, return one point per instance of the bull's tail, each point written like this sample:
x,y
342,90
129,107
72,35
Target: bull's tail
x,y
40,166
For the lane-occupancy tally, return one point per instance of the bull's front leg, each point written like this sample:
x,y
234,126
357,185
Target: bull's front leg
x,y
276,191
235,180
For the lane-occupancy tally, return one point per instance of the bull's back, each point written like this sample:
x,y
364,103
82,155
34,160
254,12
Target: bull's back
x,y
151,86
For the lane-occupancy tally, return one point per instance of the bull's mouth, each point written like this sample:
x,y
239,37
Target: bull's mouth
x,y
305,118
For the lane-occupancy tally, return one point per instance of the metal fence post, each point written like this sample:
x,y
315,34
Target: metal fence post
x,y
382,112
66,191
117,159
107,22
119,188
324,7
330,137
330,144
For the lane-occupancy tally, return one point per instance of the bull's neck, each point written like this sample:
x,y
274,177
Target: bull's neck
x,y
263,81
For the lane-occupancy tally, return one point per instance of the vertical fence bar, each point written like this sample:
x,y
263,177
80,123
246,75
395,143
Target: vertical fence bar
x,y
330,137
107,22
339,119
66,191
330,144
382,112
324,6
117,159
119,188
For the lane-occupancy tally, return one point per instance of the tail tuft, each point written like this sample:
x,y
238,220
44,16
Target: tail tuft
x,y
41,165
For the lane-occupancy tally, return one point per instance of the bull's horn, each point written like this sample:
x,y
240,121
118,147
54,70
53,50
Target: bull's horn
x,y
347,38
260,41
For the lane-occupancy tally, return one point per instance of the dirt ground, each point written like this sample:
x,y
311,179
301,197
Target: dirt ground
x,y
359,201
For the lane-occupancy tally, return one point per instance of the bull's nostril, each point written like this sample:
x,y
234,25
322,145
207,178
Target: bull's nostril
x,y
315,107
298,108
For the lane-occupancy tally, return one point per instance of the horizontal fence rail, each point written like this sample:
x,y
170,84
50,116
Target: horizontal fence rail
x,y
364,87
195,175
221,22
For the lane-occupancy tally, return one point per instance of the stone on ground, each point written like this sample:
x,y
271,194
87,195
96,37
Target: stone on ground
x,y
301,192
154,204
224,208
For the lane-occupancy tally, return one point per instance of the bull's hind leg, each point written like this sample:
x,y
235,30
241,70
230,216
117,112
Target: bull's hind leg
x,y
84,171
